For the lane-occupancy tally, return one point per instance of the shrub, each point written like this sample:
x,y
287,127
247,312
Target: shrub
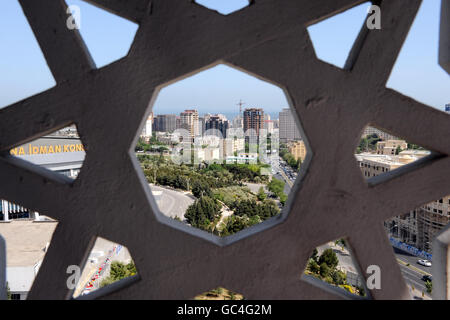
x,y
314,255
313,266
329,258
429,286
324,270
276,186
200,189
328,280
261,194
339,277
118,271
283,198
202,212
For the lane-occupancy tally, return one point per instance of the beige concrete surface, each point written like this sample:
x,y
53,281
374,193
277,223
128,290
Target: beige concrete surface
x,y
26,241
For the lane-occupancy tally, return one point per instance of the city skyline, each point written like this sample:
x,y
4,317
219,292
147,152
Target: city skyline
x,y
208,156
23,70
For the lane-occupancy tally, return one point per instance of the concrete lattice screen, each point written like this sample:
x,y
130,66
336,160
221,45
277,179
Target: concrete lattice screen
x,y
176,38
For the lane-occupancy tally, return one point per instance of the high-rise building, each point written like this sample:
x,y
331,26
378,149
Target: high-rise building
x,y
189,122
165,123
288,128
147,131
237,122
268,125
253,122
217,122
202,125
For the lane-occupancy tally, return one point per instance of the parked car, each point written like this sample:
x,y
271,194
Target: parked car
x,y
427,278
425,263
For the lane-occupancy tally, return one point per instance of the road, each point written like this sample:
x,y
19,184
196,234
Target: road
x,y
408,258
102,250
279,170
173,203
412,274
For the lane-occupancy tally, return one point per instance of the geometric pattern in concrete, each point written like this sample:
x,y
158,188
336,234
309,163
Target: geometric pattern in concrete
x,y
177,38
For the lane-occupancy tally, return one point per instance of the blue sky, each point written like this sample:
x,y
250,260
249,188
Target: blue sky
x,y
23,71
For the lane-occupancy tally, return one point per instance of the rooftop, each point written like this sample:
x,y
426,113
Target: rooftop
x,y
26,241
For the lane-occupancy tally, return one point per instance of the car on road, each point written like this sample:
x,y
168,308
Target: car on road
x,y
425,263
427,278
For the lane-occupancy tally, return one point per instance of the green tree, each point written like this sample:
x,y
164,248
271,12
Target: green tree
x,y
339,277
314,255
283,198
251,208
324,270
429,286
368,143
276,186
261,194
119,271
329,258
398,150
235,224
313,266
141,145
200,189
202,212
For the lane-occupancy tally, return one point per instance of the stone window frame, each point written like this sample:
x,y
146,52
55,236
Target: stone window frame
x,y
263,264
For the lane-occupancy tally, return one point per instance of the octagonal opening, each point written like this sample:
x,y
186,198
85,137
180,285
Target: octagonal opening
x,y
224,7
27,235
215,162
61,152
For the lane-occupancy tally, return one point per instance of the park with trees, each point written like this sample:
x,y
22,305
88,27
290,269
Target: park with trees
x,y
218,187
324,267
